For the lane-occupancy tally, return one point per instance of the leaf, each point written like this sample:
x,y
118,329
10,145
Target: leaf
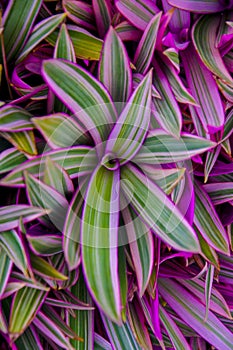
x,y
45,245
13,118
180,92
193,312
5,270
77,161
17,31
92,105
146,46
102,12
141,244
166,179
138,12
64,47
217,303
40,32
10,159
23,140
123,280
121,337
101,343
178,340
167,111
220,192
99,231
51,330
207,251
156,210
205,91
86,45
45,270
208,223
28,339
11,214
14,248
211,158
204,35
80,13
208,288
71,231
25,305
161,148
42,195
83,322
130,130
199,6
114,68
127,31
56,177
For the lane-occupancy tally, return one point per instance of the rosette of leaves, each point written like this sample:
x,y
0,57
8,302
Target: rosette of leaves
x,y
116,175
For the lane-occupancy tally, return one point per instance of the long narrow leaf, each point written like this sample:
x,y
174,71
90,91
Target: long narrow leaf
x,y
5,270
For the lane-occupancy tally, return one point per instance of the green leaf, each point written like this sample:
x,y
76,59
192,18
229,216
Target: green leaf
x,y
60,130
83,322
207,251
45,270
40,32
80,13
23,140
10,159
114,69
204,34
29,339
99,239
86,45
208,288
5,270
13,118
17,31
24,307
64,47
44,196
14,248
45,244
156,210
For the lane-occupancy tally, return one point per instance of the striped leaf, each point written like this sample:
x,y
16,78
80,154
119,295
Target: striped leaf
x,y
207,251
40,32
25,305
71,230
121,337
86,45
193,312
146,46
102,12
60,130
114,68
11,214
77,161
199,6
161,148
44,196
56,177
101,343
141,245
208,223
205,91
64,47
137,12
83,322
80,13
127,31
180,92
166,179
173,57
13,118
123,280
180,19
23,140
5,270
211,158
51,330
177,338
92,105
17,31
166,109
14,248
217,303
42,268
204,34
220,192
156,210
45,245
130,130
29,339
99,231
10,159
208,288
